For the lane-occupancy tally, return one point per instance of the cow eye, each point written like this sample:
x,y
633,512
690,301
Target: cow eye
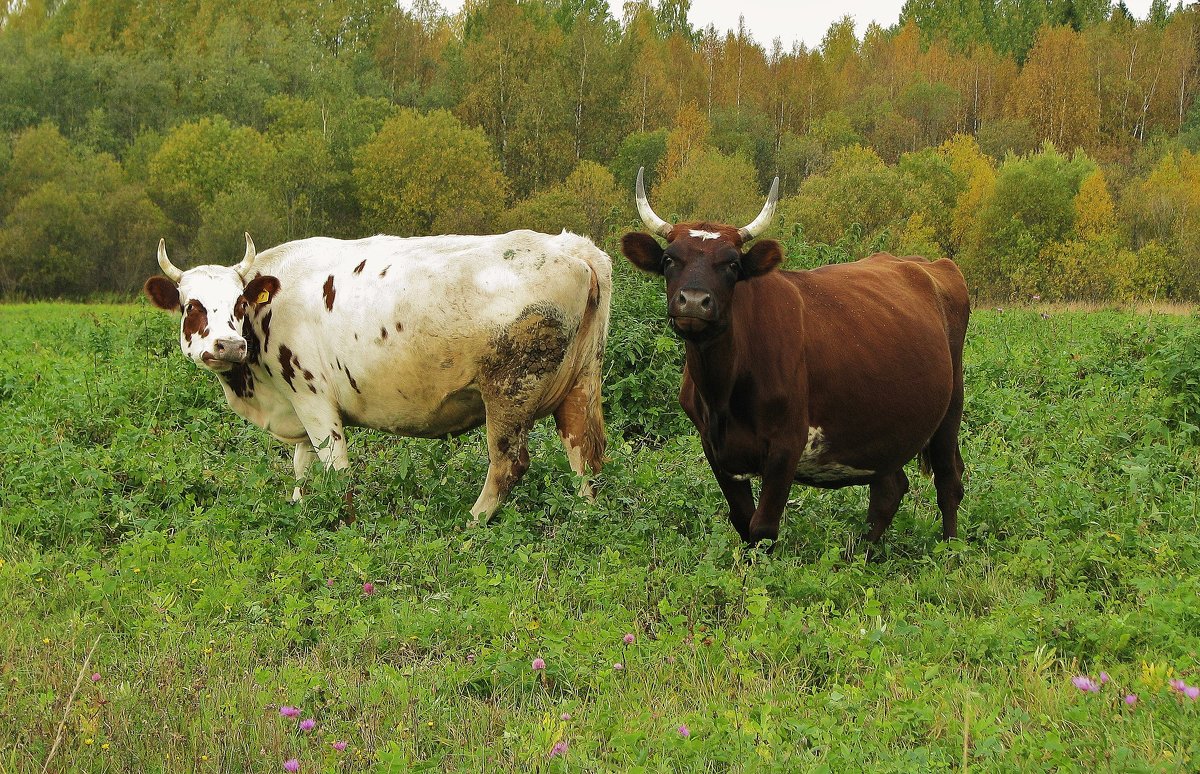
x,y
188,309
668,262
240,309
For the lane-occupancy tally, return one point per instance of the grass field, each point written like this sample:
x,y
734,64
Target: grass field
x,y
138,512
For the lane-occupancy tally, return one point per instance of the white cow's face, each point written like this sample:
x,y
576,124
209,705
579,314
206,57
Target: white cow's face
x,y
210,333
214,301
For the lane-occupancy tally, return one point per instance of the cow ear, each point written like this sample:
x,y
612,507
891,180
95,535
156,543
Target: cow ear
x,y
261,291
762,258
643,251
162,293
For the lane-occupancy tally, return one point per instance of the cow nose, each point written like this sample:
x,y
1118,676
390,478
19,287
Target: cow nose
x,y
230,349
694,302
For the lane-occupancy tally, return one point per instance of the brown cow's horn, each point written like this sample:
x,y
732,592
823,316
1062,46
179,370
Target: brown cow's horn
x,y
760,224
243,268
652,221
165,264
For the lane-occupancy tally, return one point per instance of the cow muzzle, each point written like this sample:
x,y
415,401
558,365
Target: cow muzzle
x,y
226,351
692,311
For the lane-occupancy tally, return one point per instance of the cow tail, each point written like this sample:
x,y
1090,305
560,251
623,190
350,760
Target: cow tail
x,y
599,299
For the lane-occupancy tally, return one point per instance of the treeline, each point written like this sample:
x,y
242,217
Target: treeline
x,y
1048,145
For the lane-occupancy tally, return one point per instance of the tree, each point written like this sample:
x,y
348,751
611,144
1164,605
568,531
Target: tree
x,y
424,174
1053,92
639,150
1031,206
689,137
588,202
199,160
1164,208
711,186
858,193
1094,212
72,222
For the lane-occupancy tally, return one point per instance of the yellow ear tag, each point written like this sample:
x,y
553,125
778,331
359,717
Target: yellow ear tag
x,y
263,297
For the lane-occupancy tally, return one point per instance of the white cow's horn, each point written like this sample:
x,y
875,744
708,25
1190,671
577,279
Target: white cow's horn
x,y
165,264
760,224
652,221
243,268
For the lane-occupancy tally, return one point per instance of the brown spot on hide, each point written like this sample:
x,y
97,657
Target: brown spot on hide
x,y
240,380
399,327
328,292
308,375
525,353
266,328
195,320
383,333
353,383
358,269
285,365
384,272
336,435
253,346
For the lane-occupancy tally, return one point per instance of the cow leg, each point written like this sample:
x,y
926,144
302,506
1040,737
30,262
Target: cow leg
x,y
327,435
508,459
886,494
737,493
777,480
581,428
302,459
945,460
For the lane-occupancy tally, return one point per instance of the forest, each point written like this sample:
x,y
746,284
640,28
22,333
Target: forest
x,y
1048,146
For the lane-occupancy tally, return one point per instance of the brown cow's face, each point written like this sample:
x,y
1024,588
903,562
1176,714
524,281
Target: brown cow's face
x,y
701,264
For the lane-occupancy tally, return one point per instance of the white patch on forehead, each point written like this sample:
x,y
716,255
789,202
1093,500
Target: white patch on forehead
x,y
494,279
704,234
812,468
218,283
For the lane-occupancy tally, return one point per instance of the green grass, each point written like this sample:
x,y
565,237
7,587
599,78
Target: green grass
x,y
137,509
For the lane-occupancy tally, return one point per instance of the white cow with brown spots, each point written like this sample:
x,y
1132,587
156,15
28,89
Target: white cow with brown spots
x,y
423,336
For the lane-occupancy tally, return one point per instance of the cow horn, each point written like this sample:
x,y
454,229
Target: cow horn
x,y
652,221
243,268
165,264
760,224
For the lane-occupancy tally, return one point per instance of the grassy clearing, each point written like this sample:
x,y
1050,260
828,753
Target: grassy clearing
x,y
136,508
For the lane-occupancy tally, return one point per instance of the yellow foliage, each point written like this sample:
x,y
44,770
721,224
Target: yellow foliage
x,y
1094,211
686,140
919,238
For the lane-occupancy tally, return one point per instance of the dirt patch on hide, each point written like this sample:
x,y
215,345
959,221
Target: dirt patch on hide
x,y
525,353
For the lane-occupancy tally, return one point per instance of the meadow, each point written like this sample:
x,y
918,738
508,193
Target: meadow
x,y
138,515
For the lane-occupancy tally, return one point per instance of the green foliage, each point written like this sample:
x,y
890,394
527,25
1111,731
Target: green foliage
x,y
197,161
1031,206
587,202
211,106
428,173
858,190
638,150
71,221
711,186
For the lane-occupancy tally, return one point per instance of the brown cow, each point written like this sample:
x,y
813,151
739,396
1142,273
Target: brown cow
x,y
832,377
